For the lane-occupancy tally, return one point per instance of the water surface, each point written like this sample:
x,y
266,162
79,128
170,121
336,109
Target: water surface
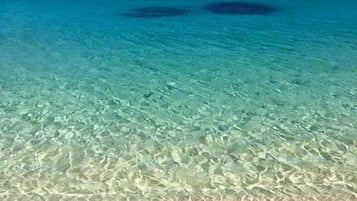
x,y
96,104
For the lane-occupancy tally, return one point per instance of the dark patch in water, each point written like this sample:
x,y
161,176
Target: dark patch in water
x,y
240,8
155,12
148,94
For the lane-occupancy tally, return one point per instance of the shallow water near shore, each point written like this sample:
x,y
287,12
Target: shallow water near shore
x,y
110,100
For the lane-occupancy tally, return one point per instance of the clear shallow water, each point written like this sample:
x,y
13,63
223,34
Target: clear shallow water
x,y
101,106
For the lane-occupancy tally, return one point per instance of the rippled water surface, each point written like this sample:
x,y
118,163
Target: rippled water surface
x,y
178,100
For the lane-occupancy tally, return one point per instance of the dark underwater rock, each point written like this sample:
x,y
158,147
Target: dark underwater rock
x,y
240,8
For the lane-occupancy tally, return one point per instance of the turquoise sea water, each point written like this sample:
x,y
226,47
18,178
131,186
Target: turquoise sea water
x,y
99,105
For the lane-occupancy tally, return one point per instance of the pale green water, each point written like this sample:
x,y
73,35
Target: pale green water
x,y
100,106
